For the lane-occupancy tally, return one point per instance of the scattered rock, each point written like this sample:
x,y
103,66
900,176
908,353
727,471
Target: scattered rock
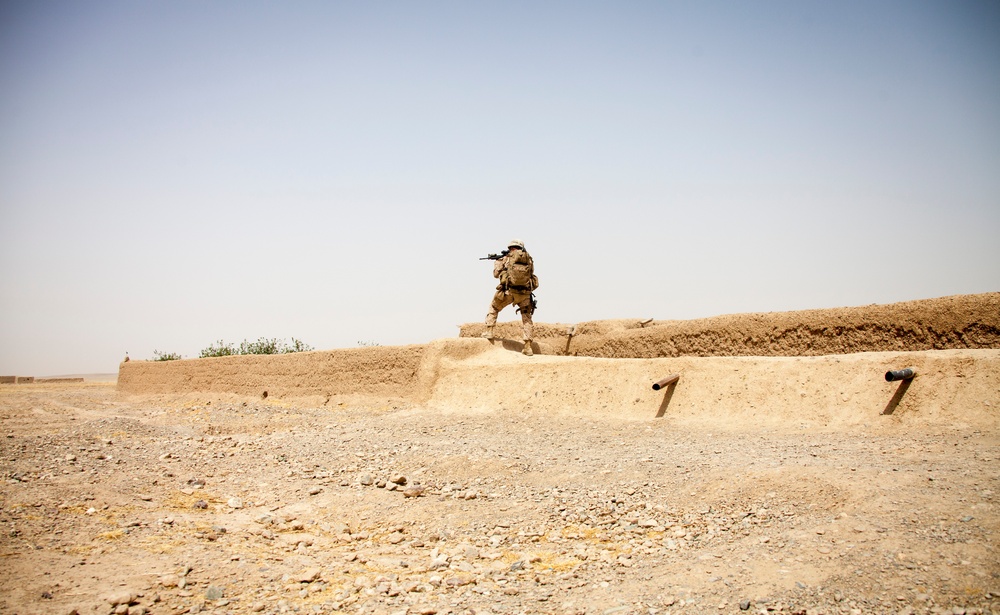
x,y
120,597
309,575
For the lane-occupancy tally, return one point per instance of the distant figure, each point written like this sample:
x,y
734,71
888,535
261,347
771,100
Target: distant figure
x,y
516,271
126,357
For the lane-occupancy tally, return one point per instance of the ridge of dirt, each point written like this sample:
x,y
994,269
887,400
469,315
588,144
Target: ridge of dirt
x,y
953,322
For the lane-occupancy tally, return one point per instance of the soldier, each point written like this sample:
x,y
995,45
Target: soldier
x,y
516,272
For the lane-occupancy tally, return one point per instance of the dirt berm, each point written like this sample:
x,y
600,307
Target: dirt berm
x,y
818,367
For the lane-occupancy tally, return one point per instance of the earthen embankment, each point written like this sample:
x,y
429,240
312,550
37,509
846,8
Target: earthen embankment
x,y
944,323
959,384
377,371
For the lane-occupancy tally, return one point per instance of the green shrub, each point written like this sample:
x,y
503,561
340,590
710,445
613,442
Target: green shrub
x,y
261,346
165,356
298,346
218,349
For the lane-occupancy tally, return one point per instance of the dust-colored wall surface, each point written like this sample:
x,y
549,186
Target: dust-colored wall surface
x,y
734,393
956,322
378,371
846,387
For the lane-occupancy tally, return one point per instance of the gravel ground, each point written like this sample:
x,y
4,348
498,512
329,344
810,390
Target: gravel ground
x,y
114,504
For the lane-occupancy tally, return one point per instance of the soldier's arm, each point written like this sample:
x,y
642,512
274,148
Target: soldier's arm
x,y
499,266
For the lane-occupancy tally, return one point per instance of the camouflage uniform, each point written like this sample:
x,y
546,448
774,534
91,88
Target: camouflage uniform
x,y
511,295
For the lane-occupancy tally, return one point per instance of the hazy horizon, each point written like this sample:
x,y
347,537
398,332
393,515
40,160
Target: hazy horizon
x,y
173,174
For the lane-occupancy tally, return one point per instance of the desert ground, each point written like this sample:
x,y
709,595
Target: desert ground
x,y
780,474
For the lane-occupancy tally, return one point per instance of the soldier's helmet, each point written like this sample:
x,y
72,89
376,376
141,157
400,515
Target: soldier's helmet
x,y
516,243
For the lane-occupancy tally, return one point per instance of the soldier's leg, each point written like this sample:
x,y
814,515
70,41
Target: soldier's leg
x,y
527,326
500,301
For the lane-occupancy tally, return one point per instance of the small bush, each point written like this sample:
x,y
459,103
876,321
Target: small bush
x,y
165,356
298,346
261,346
368,344
218,349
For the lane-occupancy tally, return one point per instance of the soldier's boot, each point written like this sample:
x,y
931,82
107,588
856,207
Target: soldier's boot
x,y
527,349
488,334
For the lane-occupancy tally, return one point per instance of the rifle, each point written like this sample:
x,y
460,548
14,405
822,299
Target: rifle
x,y
493,257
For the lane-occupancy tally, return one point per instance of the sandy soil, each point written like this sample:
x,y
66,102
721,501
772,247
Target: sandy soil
x,y
537,502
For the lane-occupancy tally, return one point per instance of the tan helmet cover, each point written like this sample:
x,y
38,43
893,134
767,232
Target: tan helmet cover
x,y
515,243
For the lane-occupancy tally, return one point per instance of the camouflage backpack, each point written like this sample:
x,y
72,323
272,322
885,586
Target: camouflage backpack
x,y
521,271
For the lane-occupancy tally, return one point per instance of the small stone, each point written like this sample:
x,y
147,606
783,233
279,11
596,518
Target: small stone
x,y
200,505
413,492
470,553
398,479
458,581
235,503
366,479
394,538
309,575
122,597
214,593
441,561
315,491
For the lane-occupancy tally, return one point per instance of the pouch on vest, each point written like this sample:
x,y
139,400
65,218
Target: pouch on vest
x,y
520,271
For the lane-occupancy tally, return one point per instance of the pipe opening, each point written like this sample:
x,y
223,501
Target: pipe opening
x,y
900,374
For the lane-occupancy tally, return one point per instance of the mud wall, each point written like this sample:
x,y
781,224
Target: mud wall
x,y
389,372
945,323
954,386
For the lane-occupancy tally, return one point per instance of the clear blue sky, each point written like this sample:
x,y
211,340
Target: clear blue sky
x,y
176,173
